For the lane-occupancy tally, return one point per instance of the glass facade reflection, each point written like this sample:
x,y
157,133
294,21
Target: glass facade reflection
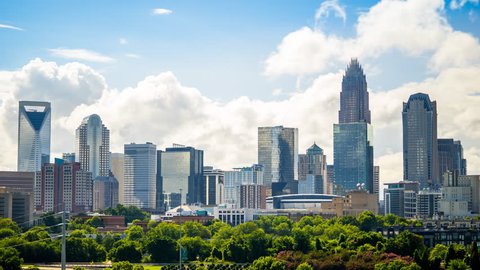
x,y
353,156
140,170
420,150
93,146
34,124
182,176
278,153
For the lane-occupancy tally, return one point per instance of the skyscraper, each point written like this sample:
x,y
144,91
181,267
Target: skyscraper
x,y
34,124
182,176
93,146
241,176
278,153
117,167
352,137
314,163
214,185
420,150
105,192
450,157
140,167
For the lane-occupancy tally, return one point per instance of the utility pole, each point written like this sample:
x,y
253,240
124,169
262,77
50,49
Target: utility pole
x,y
64,244
179,243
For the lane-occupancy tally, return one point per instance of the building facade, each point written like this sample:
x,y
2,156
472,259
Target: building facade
x,y
105,192
34,128
16,204
214,185
241,176
117,169
427,203
93,146
182,176
400,198
420,150
253,196
140,168
450,157
278,153
314,163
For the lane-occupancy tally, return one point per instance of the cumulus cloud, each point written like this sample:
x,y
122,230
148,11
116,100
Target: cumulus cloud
x,y
162,11
80,54
455,4
7,26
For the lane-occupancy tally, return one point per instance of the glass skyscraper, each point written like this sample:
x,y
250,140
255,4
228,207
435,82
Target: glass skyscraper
x,y
450,157
278,153
352,137
34,124
93,146
420,150
181,176
140,168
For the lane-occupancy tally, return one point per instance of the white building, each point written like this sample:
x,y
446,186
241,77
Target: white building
x,y
241,176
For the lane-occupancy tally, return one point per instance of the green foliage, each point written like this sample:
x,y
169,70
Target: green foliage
x,y
9,259
267,263
126,250
193,229
305,266
196,248
367,221
162,249
438,252
302,240
135,232
457,264
405,243
84,250
7,223
130,213
474,256
397,265
122,265
95,222
282,243
50,219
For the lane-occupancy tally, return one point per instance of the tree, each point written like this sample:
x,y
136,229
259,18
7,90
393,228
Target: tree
x,y
474,257
404,244
126,250
130,213
123,265
9,259
302,240
267,263
457,264
196,247
95,222
135,232
7,223
282,243
367,221
438,252
162,249
305,266
192,229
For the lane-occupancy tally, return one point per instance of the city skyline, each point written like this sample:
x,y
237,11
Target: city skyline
x,y
228,124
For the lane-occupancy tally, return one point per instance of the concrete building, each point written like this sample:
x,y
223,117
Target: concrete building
x,y
252,175
278,153
427,203
253,196
354,203
181,174
400,198
420,149
376,181
352,136
140,168
117,167
64,186
93,146
299,201
34,128
214,185
456,199
105,192
16,204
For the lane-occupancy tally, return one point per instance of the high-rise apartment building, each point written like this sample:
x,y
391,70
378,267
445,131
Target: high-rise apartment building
x,y
278,153
376,181
253,196
214,185
117,168
241,176
182,176
420,150
330,179
64,186
34,124
93,146
140,168
352,137
450,157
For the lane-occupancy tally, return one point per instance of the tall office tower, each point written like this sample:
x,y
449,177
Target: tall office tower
x,y
330,179
214,185
376,181
182,176
312,184
140,167
313,163
34,124
93,146
253,196
117,167
105,192
68,157
400,198
420,150
450,157
352,137
354,96
241,176
278,153
65,186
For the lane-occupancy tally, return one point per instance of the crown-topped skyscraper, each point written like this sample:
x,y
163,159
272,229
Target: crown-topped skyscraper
x,y
352,136
354,96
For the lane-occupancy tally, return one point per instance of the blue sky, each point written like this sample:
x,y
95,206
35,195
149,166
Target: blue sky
x,y
285,56
218,47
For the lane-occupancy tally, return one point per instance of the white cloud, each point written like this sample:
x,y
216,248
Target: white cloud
x,y
132,55
162,11
123,41
454,4
326,7
81,54
6,26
